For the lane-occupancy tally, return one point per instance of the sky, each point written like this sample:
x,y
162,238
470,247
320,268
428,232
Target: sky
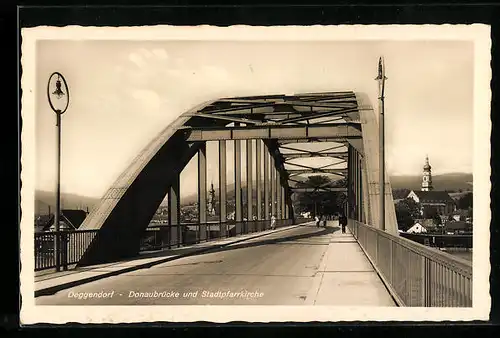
x,y
123,93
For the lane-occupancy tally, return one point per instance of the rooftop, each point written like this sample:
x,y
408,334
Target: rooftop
x,y
433,196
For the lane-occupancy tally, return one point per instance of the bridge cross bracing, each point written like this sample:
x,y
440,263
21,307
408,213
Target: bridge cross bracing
x,y
296,136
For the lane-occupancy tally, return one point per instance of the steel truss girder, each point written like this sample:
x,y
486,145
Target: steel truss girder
x,y
306,184
343,140
286,102
332,132
319,189
337,146
292,156
315,168
295,172
128,205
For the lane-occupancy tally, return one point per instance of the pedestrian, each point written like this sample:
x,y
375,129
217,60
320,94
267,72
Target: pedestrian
x,y
324,221
343,222
316,218
273,222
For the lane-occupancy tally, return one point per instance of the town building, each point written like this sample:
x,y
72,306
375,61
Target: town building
x,y
427,176
439,200
417,228
458,228
70,219
427,197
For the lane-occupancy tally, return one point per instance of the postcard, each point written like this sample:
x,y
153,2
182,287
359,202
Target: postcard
x,y
256,174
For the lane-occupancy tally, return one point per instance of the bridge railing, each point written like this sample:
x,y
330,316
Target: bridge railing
x,y
416,275
74,243
166,236
441,241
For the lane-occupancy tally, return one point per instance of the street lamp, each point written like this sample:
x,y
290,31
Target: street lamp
x,y
381,88
58,97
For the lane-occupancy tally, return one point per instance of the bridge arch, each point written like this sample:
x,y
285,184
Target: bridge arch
x,y
282,123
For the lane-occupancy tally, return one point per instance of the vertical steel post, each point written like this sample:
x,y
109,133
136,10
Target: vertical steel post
x,y
258,174
283,204
174,208
361,192
249,181
237,180
273,188
287,211
356,185
349,181
222,188
266,184
202,191
424,281
278,195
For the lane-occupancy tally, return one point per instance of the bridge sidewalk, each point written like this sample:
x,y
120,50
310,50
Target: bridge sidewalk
x,y
346,276
50,282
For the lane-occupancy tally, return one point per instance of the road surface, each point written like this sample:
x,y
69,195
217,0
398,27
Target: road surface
x,y
304,265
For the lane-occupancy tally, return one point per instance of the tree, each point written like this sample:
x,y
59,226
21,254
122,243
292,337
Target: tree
x,y
437,220
320,202
470,211
432,213
465,202
413,207
403,217
407,210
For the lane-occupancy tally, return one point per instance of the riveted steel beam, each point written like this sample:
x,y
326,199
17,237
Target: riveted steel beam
x,y
305,189
330,132
341,172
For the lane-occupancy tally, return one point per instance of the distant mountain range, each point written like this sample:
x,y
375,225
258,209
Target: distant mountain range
x,y
46,199
450,182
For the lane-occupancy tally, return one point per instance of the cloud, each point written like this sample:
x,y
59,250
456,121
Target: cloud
x,y
160,54
174,80
137,60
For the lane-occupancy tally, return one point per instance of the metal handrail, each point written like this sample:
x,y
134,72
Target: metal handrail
x,y
462,265
76,241
415,275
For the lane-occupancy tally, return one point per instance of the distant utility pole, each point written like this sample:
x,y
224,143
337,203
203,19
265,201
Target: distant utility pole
x,y
381,87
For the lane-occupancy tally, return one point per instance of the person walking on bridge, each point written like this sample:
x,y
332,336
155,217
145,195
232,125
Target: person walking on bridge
x,y
273,222
343,222
317,221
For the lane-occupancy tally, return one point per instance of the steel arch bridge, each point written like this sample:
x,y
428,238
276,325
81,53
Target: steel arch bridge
x,y
340,126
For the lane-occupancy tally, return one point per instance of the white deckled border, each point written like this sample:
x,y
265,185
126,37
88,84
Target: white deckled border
x,y
480,34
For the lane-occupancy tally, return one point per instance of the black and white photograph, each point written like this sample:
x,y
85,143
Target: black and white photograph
x,y
322,173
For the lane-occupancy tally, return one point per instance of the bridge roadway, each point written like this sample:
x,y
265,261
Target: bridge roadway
x,y
303,265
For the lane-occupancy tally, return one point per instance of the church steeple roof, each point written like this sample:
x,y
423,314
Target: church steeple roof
x,y
427,166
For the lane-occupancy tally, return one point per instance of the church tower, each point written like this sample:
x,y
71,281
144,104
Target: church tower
x,y
211,200
427,176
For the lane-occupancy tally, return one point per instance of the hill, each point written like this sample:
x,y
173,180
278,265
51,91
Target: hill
x,y
449,182
44,199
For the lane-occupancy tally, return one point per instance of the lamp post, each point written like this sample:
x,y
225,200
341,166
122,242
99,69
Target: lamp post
x,y
381,87
55,90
